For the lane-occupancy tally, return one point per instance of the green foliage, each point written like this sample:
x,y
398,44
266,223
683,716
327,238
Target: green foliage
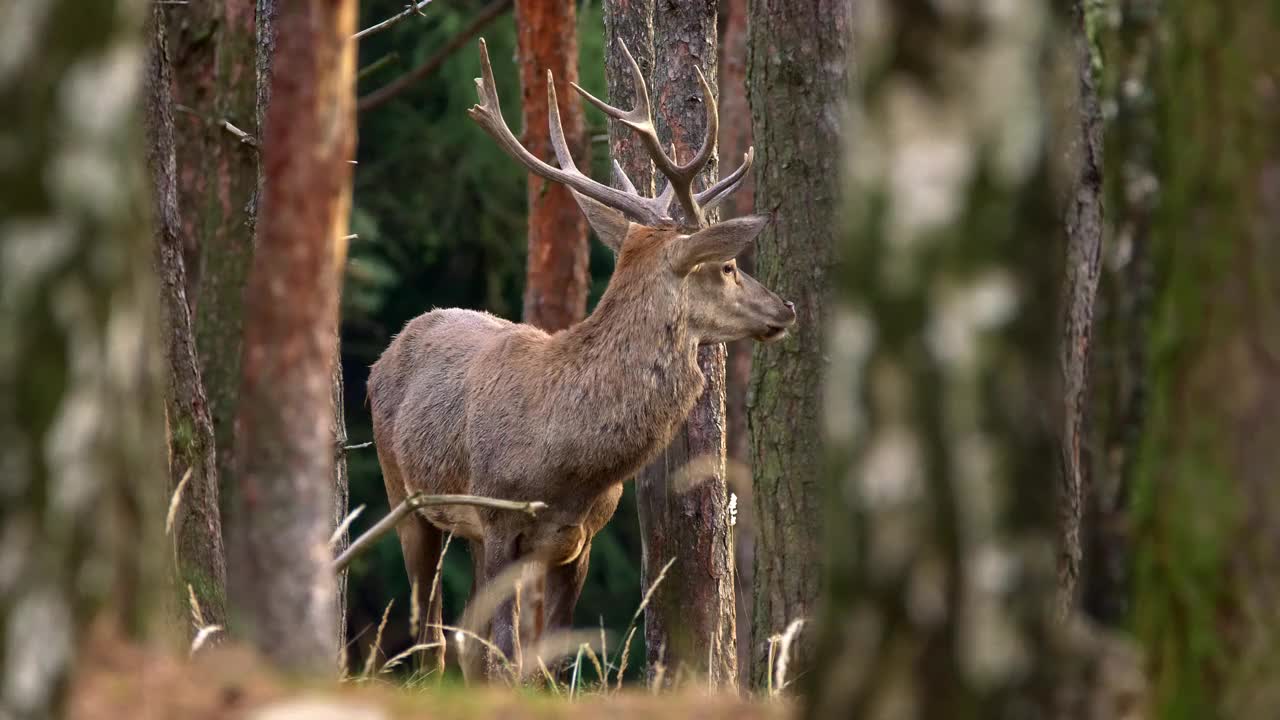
x,y
440,214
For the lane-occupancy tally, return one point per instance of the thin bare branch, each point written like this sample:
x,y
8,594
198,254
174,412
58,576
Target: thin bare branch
x,y
418,501
410,9
384,94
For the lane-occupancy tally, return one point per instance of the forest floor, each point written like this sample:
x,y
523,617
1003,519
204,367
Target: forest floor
x,y
119,680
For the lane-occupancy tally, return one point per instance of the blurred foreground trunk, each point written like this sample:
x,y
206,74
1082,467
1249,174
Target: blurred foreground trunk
x,y
1205,512
940,525
282,587
81,440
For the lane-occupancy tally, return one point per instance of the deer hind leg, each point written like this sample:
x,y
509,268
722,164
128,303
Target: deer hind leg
x,y
471,655
421,544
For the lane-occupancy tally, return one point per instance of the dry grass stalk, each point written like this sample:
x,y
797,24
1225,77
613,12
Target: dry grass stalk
x,y
622,663
551,682
414,613
506,662
197,617
401,657
595,662
344,526
202,636
784,655
175,502
377,642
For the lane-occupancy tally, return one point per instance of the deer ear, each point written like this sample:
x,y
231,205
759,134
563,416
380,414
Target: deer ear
x,y
609,224
719,243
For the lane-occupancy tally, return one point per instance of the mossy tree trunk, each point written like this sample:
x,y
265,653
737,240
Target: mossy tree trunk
x,y
197,529
798,73
942,342
555,295
1206,506
214,47
282,587
81,440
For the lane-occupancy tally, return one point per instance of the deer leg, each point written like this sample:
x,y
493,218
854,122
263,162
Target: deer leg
x,y
499,555
471,655
563,588
422,543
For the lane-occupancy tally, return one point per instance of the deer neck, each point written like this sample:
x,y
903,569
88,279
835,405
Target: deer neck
x,y
639,341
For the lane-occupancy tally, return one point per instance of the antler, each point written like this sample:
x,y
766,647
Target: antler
x,y
489,115
679,177
650,211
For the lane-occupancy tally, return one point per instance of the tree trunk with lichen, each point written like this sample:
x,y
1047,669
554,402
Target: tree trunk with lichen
x,y
1205,512
282,588
214,46
799,72
942,349
690,624
556,284
197,527
81,440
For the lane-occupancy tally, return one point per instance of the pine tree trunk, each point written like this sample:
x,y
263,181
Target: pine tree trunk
x,y
628,22
942,351
690,624
81,439
282,585
798,74
735,139
555,295
213,59
197,528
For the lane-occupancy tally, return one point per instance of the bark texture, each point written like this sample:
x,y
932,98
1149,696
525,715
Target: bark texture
x,y
81,442
683,498
282,585
1084,225
942,349
341,480
197,530
735,138
556,283
214,83
629,22
798,70
1206,506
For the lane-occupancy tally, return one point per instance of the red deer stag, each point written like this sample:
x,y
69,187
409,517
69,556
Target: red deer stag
x,y
465,402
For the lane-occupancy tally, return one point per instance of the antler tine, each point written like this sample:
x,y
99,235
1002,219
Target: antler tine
x,y
623,180
488,114
712,196
640,119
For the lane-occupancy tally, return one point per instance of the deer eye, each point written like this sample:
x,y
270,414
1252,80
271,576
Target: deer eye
x,y
727,269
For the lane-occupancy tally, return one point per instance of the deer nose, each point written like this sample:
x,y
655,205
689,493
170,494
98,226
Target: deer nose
x,y
792,307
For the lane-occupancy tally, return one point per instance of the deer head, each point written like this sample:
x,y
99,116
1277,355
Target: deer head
x,y
692,259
